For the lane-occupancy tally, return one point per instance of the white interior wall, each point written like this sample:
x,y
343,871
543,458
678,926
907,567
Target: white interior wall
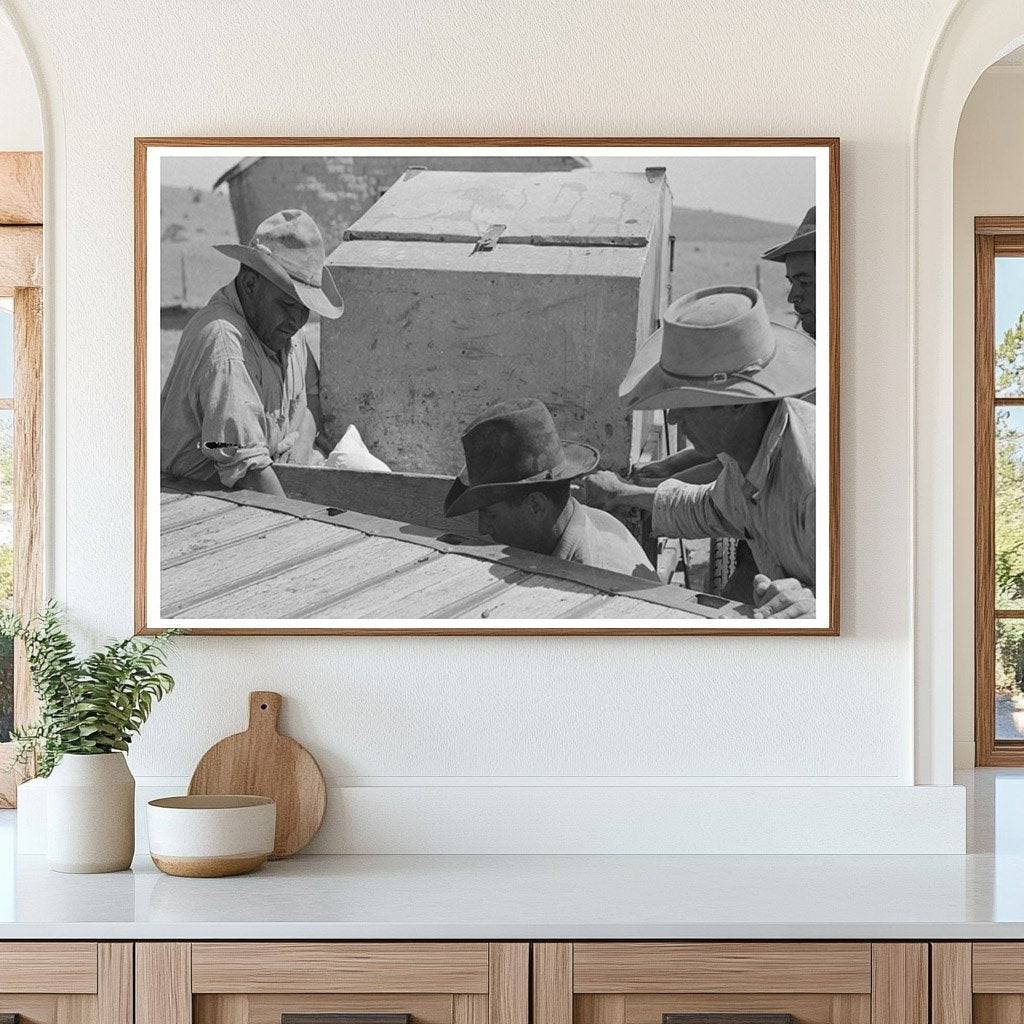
x,y
21,123
988,181
432,717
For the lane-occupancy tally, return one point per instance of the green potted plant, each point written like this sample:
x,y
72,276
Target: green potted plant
x,y
89,710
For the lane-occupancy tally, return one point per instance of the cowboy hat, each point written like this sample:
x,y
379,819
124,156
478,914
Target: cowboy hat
x,y
717,346
288,250
511,447
803,240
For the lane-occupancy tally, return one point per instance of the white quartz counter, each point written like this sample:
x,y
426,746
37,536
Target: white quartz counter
x,y
531,897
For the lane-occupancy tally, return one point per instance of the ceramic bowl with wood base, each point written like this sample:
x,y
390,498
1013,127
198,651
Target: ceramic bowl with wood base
x,y
211,836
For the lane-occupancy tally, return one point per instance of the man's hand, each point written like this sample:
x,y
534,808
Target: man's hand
x,y
604,489
782,599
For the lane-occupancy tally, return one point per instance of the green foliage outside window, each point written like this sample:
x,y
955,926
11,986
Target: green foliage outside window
x,y
1009,507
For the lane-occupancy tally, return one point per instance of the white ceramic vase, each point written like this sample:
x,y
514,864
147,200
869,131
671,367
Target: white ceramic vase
x,y
90,814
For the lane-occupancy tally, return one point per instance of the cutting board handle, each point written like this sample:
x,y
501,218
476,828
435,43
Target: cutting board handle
x,y
264,710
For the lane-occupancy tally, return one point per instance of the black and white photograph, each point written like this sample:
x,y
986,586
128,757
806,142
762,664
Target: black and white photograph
x,y
466,387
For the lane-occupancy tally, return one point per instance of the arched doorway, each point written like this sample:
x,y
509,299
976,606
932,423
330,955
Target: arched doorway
x,y
976,34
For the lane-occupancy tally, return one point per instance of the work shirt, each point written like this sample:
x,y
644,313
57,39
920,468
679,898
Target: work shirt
x,y
593,537
772,507
229,401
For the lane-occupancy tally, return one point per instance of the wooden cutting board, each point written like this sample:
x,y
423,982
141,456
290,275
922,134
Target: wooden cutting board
x,y
262,762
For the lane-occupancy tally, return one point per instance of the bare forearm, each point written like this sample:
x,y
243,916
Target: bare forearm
x,y
263,480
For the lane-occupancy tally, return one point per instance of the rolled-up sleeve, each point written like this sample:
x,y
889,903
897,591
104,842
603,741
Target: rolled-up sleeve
x,y
233,430
689,511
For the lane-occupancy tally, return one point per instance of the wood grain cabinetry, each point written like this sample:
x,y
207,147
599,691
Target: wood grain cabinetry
x,y
66,982
259,982
979,982
815,982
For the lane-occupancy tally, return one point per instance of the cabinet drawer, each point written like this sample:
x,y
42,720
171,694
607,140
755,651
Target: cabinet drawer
x,y
261,982
736,982
634,967
66,982
48,967
340,967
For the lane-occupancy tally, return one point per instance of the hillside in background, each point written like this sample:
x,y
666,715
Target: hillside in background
x,y
191,222
722,248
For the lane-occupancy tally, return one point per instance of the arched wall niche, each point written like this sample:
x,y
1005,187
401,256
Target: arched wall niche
x,y
975,35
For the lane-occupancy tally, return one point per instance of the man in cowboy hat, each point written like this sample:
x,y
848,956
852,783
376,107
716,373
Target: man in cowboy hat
x,y
730,379
517,478
799,256
236,398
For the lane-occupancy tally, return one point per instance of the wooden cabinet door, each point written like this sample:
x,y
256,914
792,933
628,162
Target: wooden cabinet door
x,y
737,982
263,982
979,982
66,982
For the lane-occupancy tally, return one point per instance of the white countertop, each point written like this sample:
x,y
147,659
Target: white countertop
x,y
977,896
532,897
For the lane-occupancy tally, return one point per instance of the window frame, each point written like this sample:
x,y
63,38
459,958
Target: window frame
x,y
21,261
993,237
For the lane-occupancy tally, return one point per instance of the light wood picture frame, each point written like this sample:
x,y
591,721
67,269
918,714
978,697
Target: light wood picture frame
x,y
449,579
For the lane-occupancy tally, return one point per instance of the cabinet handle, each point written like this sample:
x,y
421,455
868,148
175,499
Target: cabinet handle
x,y
728,1018
337,1018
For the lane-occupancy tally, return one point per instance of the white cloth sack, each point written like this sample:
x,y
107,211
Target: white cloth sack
x,y
351,453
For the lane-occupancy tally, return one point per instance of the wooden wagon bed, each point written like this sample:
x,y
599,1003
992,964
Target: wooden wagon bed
x,y
243,555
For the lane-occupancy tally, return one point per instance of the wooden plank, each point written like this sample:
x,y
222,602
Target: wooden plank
x,y
339,967
997,1009
508,992
851,1009
532,597
600,1009
313,584
235,525
32,1009
407,497
984,503
48,967
467,1008
552,983
28,485
268,1008
196,509
630,608
899,983
76,1009
21,258
163,983
115,997
21,188
224,1009
630,967
250,561
998,967
420,593
807,1008
951,983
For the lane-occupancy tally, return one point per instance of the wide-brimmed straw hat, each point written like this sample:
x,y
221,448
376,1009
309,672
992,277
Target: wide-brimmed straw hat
x,y
803,240
717,346
511,447
288,250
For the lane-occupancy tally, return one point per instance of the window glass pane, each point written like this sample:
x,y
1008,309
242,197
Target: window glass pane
x,y
1009,487
6,349
1009,679
1009,324
6,564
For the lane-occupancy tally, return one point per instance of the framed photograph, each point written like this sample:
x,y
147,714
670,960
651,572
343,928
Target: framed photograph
x,y
487,386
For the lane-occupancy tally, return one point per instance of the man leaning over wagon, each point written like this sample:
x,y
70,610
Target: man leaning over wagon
x,y
517,479
236,399
731,380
